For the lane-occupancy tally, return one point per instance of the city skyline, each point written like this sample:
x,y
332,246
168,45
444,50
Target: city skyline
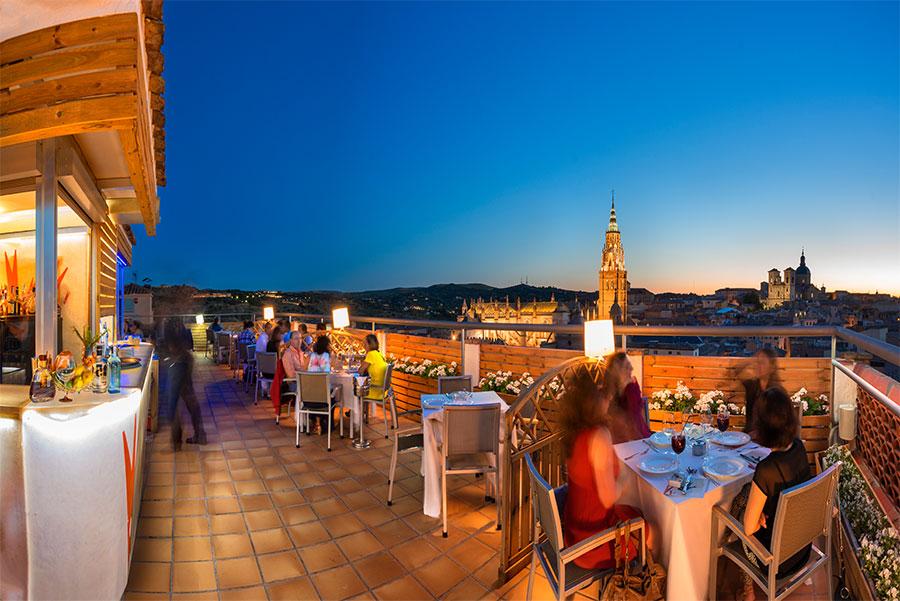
x,y
734,135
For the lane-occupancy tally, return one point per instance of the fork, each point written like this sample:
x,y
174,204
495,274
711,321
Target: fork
x,y
636,454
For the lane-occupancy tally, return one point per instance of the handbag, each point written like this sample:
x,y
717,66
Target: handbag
x,y
646,583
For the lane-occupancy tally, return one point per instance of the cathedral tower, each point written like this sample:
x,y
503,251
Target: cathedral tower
x,y
612,302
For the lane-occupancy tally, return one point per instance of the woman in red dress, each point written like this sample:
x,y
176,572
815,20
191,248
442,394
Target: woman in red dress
x,y
593,472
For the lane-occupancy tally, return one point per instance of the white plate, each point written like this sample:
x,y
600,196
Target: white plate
x,y
730,438
658,465
723,468
662,440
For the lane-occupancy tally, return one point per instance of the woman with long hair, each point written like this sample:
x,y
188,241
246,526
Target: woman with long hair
x,y
593,470
627,418
764,375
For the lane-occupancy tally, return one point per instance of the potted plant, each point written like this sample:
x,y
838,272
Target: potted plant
x,y
412,379
507,386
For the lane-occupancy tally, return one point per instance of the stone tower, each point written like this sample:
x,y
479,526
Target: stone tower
x,y
612,302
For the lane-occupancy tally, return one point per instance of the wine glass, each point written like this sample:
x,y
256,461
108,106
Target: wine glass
x,y
678,442
722,418
65,371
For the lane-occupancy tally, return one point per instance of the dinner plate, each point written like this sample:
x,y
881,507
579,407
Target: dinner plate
x,y
662,440
658,465
730,438
723,468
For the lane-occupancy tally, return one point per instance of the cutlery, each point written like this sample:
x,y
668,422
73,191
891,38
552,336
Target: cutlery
x,y
651,446
636,454
750,458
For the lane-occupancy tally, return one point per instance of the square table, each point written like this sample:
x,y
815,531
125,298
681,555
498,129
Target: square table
x,y
433,431
680,524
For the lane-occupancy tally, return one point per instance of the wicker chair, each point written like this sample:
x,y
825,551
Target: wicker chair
x,y
471,445
556,560
804,513
448,384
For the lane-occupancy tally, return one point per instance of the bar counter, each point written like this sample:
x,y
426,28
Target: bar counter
x,y
72,475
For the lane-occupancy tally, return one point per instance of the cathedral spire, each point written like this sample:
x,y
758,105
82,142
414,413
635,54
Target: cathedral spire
x,y
613,226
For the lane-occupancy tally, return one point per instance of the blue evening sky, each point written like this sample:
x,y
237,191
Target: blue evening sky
x,y
361,146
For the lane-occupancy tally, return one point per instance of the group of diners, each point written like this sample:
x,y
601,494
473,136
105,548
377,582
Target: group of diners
x,y
297,350
594,418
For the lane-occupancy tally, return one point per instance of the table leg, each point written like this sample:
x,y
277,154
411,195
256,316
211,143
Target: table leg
x,y
361,443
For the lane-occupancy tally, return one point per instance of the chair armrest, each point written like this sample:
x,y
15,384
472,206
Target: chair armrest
x,y
737,528
592,542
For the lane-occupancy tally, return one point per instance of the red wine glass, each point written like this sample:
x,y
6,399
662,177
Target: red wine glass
x,y
723,418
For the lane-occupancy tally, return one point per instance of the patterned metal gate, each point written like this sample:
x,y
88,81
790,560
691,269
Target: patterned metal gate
x,y
532,427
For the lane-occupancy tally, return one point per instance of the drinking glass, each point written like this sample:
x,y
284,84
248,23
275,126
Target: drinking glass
x,y
65,371
722,418
678,443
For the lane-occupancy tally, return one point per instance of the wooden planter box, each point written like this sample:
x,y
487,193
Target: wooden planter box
x,y
658,419
408,390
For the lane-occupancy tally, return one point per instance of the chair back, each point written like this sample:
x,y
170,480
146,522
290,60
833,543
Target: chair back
x,y
448,384
804,512
223,339
471,429
388,375
251,351
242,352
545,506
313,386
210,336
266,362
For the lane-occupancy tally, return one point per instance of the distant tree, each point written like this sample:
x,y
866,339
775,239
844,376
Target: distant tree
x,y
751,299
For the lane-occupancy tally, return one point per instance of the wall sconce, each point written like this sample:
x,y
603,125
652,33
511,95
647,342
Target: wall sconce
x,y
268,313
598,338
199,319
340,318
847,422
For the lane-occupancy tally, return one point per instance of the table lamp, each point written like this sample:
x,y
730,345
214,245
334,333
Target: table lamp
x,y
340,317
268,313
598,338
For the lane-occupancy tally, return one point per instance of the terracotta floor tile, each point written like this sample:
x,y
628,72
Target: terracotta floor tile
x,y
471,554
253,593
280,484
189,491
310,533
292,590
338,583
269,541
234,573
194,478
281,566
466,591
321,557
359,545
223,505
193,576
152,509
250,487
227,524
204,596
184,507
231,545
358,500
402,589
287,498
197,548
155,527
297,514
220,489
378,569
192,526
136,596
149,577
415,553
440,575
342,525
153,549
328,507
318,493
393,533
255,502
262,520
375,516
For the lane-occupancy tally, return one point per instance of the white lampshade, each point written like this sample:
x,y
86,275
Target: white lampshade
x,y
341,317
598,338
199,319
847,422
268,313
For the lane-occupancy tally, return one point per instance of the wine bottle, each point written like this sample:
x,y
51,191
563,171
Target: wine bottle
x,y
114,371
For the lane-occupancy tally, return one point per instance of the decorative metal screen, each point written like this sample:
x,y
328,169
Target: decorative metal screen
x,y
878,442
532,427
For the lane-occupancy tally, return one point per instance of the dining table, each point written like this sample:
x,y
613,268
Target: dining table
x,y
433,433
680,522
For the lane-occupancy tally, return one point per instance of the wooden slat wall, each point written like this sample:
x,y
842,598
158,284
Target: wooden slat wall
x,y
422,347
518,359
702,374
106,258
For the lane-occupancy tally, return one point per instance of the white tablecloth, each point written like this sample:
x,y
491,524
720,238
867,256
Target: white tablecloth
x,y
680,524
433,424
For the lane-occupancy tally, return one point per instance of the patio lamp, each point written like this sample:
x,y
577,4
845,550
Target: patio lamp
x,y
340,317
199,319
598,338
268,313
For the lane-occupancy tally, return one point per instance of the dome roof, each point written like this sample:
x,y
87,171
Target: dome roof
x,y
803,269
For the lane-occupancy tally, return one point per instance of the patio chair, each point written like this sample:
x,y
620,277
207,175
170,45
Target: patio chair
x,y
805,512
223,347
251,367
448,384
471,445
565,577
210,342
265,371
315,396
383,402
407,439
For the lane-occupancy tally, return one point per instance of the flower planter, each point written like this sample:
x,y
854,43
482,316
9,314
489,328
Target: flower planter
x,y
658,419
408,390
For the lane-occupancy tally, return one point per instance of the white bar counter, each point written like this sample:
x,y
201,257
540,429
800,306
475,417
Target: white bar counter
x,y
72,474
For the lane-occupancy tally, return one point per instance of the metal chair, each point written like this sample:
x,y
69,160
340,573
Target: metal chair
x,y
210,342
223,347
471,445
804,513
448,384
556,560
265,371
407,439
315,396
251,367
387,391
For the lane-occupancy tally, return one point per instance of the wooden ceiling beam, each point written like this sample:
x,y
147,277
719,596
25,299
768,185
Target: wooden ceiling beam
x,y
85,85
75,117
86,31
134,160
69,62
